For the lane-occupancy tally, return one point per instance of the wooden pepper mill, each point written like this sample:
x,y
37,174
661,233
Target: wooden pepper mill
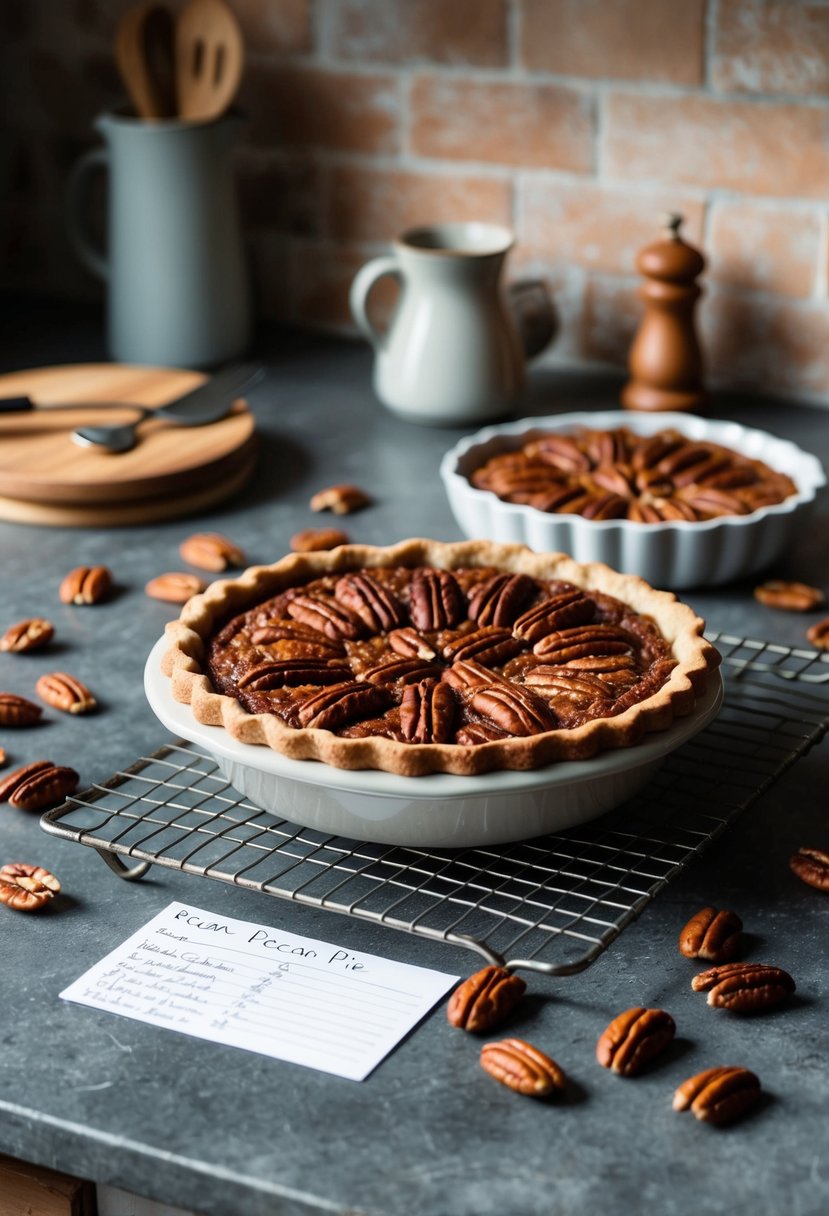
x,y
665,360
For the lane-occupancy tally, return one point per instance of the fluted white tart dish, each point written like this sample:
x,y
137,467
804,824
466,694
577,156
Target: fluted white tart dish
x,y
441,810
670,554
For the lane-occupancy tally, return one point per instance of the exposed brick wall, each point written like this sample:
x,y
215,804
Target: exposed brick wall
x,y
577,122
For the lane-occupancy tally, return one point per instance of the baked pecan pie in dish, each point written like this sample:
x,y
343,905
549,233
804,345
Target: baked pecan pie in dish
x,y
680,500
425,658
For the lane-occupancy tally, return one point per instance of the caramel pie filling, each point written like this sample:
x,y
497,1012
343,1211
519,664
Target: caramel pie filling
x,y
616,474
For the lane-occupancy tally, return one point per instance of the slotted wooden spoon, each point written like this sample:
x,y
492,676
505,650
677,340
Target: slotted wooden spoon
x,y
144,54
210,55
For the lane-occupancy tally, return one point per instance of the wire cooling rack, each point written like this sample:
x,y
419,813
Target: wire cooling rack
x,y
549,904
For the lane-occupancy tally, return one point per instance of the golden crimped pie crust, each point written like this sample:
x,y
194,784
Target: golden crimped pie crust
x,y
203,615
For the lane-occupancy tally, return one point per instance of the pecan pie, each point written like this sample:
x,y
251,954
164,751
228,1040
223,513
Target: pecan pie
x,y
617,474
426,657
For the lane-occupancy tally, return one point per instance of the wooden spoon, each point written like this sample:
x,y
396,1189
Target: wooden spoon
x,y
210,55
144,54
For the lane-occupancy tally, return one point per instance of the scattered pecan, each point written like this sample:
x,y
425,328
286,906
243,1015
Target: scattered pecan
x,y
818,634
17,711
32,634
718,1095
25,887
501,599
791,597
712,935
485,999
342,500
65,692
436,600
811,866
310,540
633,1039
744,987
39,784
175,587
86,585
523,1068
211,551
371,601
427,713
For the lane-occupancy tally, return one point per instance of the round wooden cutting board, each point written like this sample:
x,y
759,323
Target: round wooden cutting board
x,y
170,471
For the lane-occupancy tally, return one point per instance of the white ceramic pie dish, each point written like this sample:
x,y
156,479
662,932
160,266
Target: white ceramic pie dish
x,y
672,555
436,811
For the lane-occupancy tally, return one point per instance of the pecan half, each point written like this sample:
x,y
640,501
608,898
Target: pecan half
x,y
712,935
327,616
501,599
552,615
719,1095
523,1068
301,640
175,587
485,999
490,646
811,866
436,600
86,585
583,642
633,1039
342,500
409,643
818,634
25,887
211,551
513,709
17,711
744,987
427,712
561,452
333,707
37,785
32,634
789,596
292,673
370,600
312,540
65,692
400,671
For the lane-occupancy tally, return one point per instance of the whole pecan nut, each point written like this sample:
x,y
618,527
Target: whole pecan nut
x,y
718,1095
486,998
342,500
174,587
712,935
32,634
744,987
65,692
39,784
26,887
633,1039
17,711
312,540
211,551
523,1068
789,596
818,634
811,866
86,585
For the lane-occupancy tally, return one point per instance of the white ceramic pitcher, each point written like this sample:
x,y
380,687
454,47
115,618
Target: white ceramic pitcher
x,y
452,353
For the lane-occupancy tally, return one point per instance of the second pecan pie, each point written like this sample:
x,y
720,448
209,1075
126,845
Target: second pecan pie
x,y
425,657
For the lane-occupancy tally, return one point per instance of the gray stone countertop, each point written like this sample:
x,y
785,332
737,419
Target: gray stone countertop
x,y
230,1133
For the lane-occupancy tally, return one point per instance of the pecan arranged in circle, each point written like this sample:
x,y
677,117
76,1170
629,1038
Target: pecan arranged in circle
x,y
32,634
712,935
489,646
342,500
86,585
312,540
719,1095
25,887
333,707
211,551
327,616
811,866
633,1039
568,608
38,785
17,711
789,596
818,634
513,709
745,987
175,587
376,605
283,673
427,712
501,599
397,670
523,1068
485,999
408,643
583,642
436,600
65,692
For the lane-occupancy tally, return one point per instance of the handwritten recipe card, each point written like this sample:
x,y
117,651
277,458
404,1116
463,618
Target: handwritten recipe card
x,y
250,986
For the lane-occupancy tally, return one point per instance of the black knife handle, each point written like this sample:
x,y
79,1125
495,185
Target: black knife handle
x,y
16,405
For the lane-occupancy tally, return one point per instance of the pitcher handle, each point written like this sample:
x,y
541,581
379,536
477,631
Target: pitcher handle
x,y
77,210
361,288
